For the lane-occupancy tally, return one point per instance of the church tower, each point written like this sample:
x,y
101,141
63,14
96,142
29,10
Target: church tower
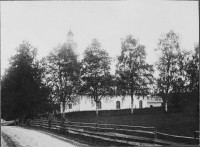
x,y
70,41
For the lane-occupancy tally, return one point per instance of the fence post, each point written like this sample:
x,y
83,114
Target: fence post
x,y
115,128
37,123
41,122
63,126
49,124
155,135
97,127
196,136
67,127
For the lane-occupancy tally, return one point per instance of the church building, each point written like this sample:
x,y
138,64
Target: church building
x,y
119,102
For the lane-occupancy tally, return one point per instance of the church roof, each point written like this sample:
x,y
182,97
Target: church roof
x,y
70,33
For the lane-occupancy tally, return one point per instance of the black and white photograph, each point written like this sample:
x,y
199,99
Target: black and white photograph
x,y
99,73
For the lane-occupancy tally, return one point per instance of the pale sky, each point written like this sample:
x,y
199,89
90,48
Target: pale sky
x,y
45,24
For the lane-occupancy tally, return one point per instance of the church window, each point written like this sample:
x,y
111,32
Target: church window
x,y
140,104
118,104
70,106
99,104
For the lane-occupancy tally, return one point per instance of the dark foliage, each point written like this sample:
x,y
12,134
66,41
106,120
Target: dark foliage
x,y
22,91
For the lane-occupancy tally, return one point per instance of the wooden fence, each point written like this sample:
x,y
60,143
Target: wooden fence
x,y
131,135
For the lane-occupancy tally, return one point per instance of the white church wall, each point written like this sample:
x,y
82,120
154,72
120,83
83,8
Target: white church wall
x,y
154,104
75,107
86,104
72,108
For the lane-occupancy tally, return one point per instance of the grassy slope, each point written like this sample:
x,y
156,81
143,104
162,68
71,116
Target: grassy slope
x,y
172,123
182,123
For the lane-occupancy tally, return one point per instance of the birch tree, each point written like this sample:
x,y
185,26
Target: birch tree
x,y
62,75
133,74
96,78
168,50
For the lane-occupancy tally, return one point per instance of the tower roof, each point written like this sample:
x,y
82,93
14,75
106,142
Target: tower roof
x,y
70,33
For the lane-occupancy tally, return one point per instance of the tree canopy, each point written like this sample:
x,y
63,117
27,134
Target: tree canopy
x,y
96,78
134,76
192,70
169,53
23,94
62,74
30,87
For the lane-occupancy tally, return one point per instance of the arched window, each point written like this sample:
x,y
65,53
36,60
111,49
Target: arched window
x,y
151,106
140,104
118,104
99,104
70,106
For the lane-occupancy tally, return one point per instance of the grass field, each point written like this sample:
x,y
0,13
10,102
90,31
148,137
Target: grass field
x,y
182,123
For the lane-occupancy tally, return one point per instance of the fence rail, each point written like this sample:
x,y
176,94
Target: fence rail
x,y
183,139
131,135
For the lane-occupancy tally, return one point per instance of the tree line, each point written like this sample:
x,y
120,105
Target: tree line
x,y
30,87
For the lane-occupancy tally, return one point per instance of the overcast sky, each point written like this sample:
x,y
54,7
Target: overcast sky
x,y
45,24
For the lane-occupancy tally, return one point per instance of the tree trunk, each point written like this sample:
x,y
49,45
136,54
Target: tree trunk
x,y
96,109
165,100
166,106
131,104
63,113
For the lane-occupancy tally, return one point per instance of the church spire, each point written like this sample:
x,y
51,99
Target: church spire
x,y
70,40
69,34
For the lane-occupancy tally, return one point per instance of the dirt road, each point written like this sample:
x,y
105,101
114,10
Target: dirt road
x,y
14,136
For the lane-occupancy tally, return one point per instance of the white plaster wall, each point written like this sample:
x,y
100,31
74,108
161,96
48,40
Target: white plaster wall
x,y
126,103
75,107
154,104
85,104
